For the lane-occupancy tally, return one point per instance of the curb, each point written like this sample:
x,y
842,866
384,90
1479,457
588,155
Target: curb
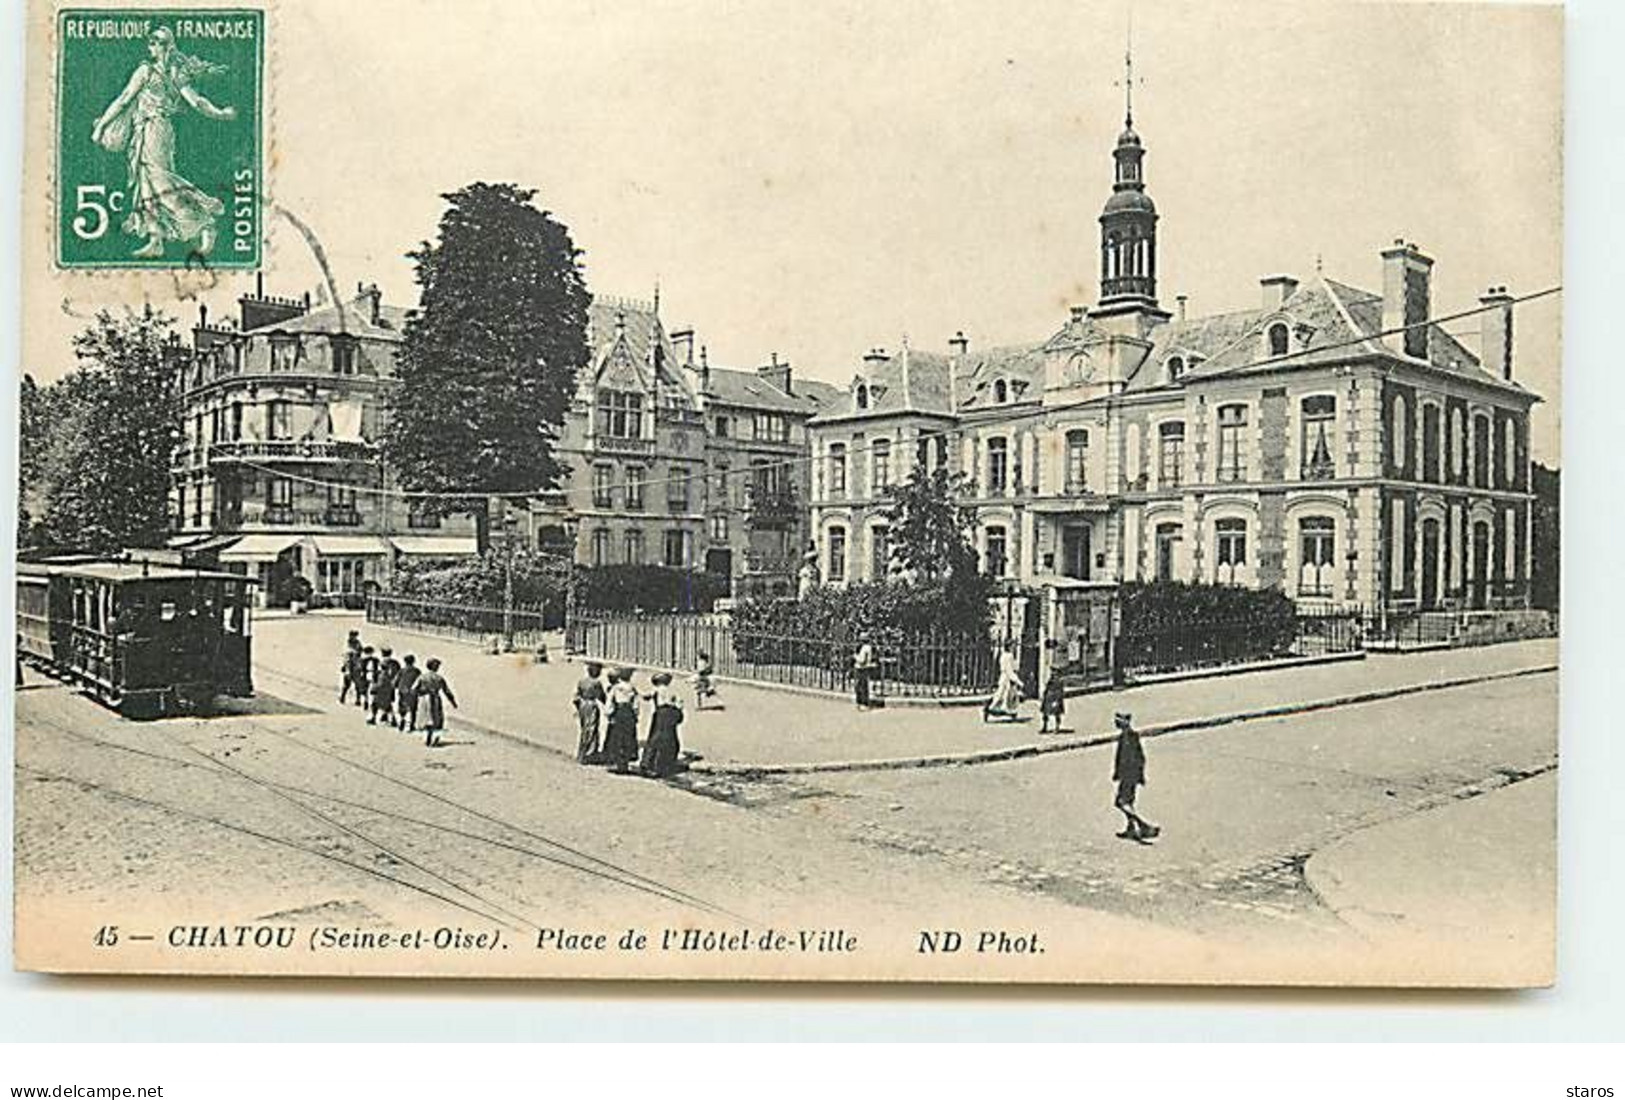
x,y
1074,743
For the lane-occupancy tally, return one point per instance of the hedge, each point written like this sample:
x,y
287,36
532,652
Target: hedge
x,y
481,582
1170,625
929,632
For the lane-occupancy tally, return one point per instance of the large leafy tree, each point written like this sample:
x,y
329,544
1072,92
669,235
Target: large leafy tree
x,y
34,437
114,424
929,529
488,365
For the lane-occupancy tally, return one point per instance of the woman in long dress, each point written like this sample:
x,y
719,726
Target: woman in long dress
x,y
164,205
430,687
1006,701
590,699
621,740
662,750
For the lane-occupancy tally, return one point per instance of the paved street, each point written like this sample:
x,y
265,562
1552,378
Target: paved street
x,y
293,808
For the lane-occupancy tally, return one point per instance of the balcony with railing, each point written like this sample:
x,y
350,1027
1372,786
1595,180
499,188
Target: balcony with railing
x,y
291,450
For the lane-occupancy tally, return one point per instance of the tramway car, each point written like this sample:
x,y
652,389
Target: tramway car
x,y
148,640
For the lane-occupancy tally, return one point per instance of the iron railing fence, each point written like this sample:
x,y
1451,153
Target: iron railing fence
x,y
462,621
925,665
1209,643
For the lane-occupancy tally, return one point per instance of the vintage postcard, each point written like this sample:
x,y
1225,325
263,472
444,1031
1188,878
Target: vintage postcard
x,y
911,491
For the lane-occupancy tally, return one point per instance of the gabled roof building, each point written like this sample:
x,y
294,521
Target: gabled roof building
x,y
1332,442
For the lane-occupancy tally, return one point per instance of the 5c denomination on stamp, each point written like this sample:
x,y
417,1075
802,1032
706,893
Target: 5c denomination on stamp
x,y
160,137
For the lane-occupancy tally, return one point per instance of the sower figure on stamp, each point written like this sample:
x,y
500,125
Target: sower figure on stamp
x,y
383,688
407,691
1129,773
430,687
164,205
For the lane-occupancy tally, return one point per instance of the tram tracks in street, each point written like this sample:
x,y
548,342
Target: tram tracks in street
x,y
562,856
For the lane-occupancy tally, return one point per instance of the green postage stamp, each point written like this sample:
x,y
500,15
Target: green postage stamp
x,y
160,120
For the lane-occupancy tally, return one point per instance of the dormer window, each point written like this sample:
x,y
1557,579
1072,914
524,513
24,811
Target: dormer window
x,y
1001,392
1176,367
1278,339
863,396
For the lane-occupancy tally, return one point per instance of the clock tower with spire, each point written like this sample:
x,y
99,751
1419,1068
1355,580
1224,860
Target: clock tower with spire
x,y
1128,230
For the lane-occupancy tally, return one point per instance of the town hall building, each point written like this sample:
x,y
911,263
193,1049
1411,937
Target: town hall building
x,y
1332,442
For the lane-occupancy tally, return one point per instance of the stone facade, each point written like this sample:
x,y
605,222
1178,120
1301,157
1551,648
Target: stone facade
x,y
1333,443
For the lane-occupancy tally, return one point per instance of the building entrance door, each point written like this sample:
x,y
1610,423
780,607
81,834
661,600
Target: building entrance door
x,y
1075,551
1430,564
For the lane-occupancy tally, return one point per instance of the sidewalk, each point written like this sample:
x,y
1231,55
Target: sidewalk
x,y
760,730
1478,876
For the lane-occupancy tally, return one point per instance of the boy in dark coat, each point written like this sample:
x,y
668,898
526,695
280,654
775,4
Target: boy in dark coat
x,y
365,678
1128,772
350,666
383,688
1052,707
406,688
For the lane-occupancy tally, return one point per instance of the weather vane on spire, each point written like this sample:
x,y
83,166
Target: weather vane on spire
x,y
1127,83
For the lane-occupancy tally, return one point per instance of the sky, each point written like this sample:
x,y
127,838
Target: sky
x,y
814,180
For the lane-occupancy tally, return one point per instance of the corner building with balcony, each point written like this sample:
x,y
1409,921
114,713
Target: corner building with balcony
x,y
279,472
1333,443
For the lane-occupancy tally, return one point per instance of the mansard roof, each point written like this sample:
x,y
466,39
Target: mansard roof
x,y
748,389
1329,322
353,318
907,381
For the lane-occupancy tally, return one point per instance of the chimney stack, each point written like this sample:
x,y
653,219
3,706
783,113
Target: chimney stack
x,y
1078,313
683,341
203,315
375,301
959,343
1277,289
776,374
1495,332
259,284
1180,302
876,356
1407,278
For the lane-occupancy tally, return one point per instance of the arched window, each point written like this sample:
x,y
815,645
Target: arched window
x,y
1168,537
1176,367
1399,434
863,397
837,554
1230,547
1001,392
1431,447
998,545
1317,542
1278,338
1458,432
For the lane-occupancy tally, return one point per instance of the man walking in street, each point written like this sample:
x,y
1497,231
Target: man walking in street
x,y
1128,772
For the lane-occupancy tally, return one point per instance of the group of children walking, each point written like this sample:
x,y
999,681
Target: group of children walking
x,y
395,691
